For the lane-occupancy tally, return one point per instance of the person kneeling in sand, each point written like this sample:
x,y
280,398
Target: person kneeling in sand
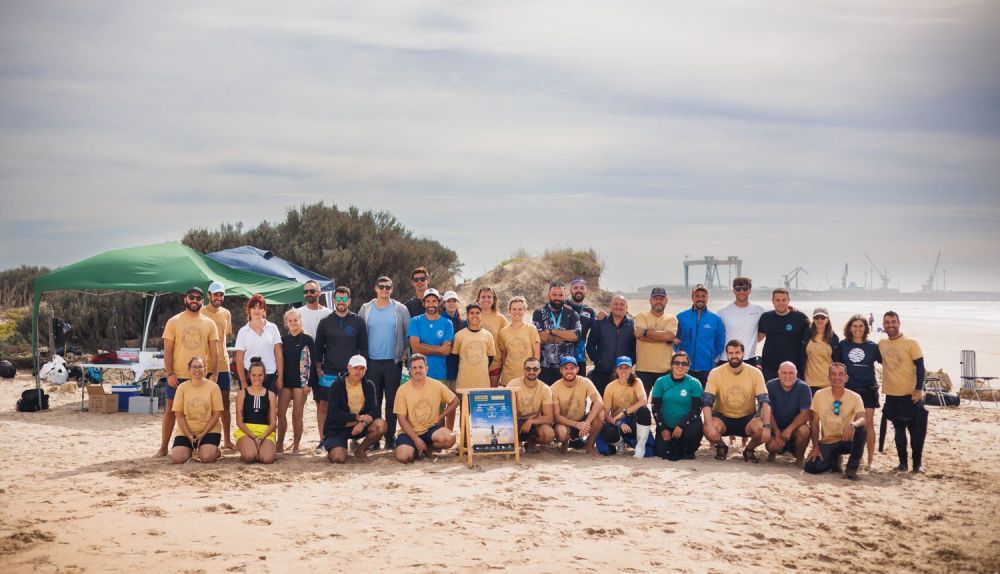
x,y
534,407
677,406
573,420
729,404
198,408
256,417
352,413
418,409
627,418
790,399
840,414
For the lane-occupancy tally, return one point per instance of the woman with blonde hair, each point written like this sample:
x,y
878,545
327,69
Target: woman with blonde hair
x,y
298,351
516,342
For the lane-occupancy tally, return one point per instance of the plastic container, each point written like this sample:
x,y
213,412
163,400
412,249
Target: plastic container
x,y
124,392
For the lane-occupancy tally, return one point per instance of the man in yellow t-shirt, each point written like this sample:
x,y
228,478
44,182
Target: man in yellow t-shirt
x,y
534,406
573,420
475,348
731,393
903,381
418,410
187,335
838,416
654,339
223,320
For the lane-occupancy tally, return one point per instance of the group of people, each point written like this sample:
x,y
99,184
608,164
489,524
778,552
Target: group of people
x,y
659,384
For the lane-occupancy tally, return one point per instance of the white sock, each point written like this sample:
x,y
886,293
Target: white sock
x,y
641,436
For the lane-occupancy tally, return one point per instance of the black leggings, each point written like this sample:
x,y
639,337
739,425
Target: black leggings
x,y
678,448
917,427
386,374
612,434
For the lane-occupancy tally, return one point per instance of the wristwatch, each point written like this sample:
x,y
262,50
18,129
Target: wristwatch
x,y
767,425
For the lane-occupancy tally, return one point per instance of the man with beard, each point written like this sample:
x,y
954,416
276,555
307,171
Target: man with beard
x,y
740,319
729,407
655,336
534,407
840,414
573,420
187,335
312,312
223,320
559,329
418,408
421,280
611,337
387,321
903,380
783,330
339,336
702,334
431,335
577,293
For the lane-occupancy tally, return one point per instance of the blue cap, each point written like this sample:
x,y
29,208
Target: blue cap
x,y
567,359
623,360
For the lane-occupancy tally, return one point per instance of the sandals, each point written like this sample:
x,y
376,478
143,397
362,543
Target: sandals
x,y
750,456
721,450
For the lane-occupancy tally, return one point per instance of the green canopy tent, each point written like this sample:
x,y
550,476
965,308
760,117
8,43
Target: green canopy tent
x,y
154,270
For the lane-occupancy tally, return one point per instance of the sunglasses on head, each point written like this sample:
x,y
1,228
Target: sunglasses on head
x,y
341,299
836,407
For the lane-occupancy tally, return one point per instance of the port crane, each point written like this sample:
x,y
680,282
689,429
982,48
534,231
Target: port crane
x,y
883,274
793,275
712,268
929,285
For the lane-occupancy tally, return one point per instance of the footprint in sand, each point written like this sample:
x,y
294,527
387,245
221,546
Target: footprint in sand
x,y
149,511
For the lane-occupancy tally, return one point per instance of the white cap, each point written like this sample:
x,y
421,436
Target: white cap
x,y
357,361
430,292
449,295
217,287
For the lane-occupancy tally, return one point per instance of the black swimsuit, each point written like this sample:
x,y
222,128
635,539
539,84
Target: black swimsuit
x,y
257,409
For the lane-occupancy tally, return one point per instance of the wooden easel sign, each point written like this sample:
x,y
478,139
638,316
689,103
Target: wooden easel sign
x,y
489,423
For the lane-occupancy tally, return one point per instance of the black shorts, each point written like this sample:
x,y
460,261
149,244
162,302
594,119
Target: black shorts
x,y
271,382
526,436
404,439
869,396
211,438
339,438
320,393
295,383
734,427
902,408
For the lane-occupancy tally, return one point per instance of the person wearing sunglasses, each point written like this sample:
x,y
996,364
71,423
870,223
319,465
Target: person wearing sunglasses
x,y
421,280
187,334
740,319
729,404
838,427
791,400
312,312
386,320
677,404
339,336
534,407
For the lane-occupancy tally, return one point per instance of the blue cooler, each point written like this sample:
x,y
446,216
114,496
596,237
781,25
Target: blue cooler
x,y
124,393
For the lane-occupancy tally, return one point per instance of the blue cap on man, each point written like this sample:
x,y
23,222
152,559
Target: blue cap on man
x,y
567,359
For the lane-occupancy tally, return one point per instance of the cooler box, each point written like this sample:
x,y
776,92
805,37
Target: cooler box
x,y
124,393
143,405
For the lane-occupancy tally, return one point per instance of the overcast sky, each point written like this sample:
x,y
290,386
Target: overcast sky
x,y
788,133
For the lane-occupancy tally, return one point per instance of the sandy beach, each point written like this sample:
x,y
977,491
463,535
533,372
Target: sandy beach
x,y
81,494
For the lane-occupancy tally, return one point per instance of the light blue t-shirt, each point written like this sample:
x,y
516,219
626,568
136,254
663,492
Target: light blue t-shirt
x,y
382,332
435,332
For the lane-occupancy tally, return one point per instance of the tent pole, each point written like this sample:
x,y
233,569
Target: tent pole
x,y
149,320
34,344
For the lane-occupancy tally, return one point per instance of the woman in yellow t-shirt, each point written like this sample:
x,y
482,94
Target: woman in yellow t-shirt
x,y
516,342
198,407
493,321
626,416
820,349
256,418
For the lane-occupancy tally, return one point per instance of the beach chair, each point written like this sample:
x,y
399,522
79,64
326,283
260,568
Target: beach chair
x,y
970,376
934,384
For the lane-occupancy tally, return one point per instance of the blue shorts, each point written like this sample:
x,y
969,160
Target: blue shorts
x,y
404,438
169,391
224,380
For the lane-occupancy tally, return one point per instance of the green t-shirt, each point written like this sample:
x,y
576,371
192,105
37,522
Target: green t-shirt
x,y
676,397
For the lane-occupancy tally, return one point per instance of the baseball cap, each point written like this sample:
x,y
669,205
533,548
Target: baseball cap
x,y
579,281
194,290
567,359
357,361
432,291
449,295
623,360
658,292
699,287
821,311
217,287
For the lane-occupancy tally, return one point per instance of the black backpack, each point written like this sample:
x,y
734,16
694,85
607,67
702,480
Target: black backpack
x,y
29,401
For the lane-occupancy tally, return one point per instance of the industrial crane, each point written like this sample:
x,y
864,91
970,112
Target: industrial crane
x,y
883,274
932,277
793,275
843,278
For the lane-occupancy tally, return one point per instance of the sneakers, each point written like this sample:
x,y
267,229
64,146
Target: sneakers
x,y
577,443
320,451
851,474
903,467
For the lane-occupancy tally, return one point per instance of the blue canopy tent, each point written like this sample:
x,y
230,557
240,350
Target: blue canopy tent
x,y
250,258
